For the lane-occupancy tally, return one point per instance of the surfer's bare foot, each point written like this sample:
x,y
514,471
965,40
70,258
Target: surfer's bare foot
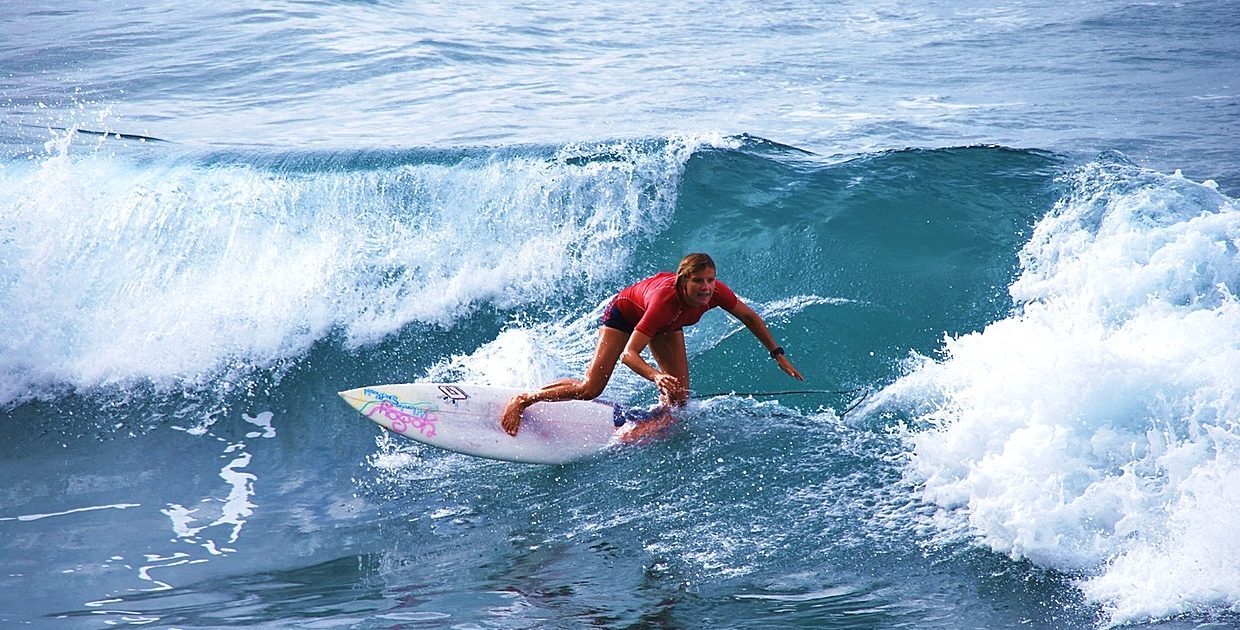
x,y
511,418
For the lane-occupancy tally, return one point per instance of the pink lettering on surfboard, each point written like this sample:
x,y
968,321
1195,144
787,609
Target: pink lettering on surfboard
x,y
402,421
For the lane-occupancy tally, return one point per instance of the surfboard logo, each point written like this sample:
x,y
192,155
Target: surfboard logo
x,y
453,393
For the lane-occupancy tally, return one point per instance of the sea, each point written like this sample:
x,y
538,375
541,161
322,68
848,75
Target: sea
x,y
1000,239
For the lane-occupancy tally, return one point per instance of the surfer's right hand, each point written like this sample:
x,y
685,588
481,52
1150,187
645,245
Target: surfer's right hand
x,y
669,387
510,419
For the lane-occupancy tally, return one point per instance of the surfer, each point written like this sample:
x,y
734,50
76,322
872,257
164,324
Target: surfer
x,y
653,313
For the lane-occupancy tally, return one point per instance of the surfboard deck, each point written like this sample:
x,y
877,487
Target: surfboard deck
x,y
464,418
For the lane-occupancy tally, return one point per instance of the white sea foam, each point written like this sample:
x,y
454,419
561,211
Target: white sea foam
x,y
1097,430
182,270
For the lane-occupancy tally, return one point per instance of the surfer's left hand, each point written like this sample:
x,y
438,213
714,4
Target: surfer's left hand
x,y
786,365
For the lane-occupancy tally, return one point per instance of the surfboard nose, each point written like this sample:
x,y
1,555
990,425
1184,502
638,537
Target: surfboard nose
x,y
354,397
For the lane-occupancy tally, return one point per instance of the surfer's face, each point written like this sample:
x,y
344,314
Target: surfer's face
x,y
700,287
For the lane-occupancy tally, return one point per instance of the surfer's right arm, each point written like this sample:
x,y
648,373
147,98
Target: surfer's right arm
x,y
632,358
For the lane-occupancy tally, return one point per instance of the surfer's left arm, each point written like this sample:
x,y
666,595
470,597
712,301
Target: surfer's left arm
x,y
753,321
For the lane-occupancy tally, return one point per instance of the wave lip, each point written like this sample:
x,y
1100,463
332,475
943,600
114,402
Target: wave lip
x,y
1097,430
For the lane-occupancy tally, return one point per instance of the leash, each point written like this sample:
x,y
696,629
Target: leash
x,y
780,393
791,392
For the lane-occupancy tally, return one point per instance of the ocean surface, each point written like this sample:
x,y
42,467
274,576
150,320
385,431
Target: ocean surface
x,y
1001,242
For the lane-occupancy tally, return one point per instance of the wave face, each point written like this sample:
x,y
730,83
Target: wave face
x,y
1049,346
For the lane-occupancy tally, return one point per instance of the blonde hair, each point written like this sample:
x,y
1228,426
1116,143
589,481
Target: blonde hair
x,y
690,265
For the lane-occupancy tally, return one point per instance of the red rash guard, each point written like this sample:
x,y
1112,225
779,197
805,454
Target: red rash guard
x,y
655,306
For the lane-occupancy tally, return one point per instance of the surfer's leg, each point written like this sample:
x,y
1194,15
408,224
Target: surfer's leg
x,y
610,344
559,383
669,351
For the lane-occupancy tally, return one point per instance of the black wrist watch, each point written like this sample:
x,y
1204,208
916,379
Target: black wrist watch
x,y
777,351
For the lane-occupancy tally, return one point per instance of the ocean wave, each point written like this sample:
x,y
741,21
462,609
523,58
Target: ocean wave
x,y
127,264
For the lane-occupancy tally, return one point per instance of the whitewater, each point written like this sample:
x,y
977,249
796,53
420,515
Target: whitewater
x,y
1002,243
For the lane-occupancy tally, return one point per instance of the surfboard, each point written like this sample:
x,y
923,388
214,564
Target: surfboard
x,y
464,418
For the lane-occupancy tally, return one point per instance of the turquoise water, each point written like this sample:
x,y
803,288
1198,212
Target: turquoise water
x,y
1002,242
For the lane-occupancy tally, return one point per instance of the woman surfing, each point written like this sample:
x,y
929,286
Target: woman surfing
x,y
653,313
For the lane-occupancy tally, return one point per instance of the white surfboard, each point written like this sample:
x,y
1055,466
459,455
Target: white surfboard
x,y
465,418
